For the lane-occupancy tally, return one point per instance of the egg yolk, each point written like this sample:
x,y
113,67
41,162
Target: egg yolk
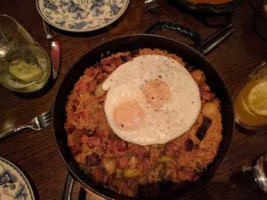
x,y
128,115
156,92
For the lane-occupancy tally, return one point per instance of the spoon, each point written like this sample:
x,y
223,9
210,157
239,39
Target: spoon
x,y
54,50
47,30
55,58
260,172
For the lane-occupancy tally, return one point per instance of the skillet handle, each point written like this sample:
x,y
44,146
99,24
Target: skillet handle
x,y
68,187
204,46
215,39
227,20
189,33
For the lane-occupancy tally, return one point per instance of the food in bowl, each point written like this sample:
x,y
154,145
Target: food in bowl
x,y
138,118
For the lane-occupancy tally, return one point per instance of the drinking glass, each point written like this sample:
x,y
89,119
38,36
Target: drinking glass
x,y
257,172
250,102
24,65
260,16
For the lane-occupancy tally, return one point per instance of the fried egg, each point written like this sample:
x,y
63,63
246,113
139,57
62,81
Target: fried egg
x,y
152,99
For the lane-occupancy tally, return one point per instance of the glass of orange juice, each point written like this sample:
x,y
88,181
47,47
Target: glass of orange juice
x,y
250,102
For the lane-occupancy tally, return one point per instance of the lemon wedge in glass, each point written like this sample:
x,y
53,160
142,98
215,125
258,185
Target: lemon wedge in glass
x,y
24,71
257,98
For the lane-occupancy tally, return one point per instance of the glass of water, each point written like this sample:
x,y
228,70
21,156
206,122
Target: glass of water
x,y
24,65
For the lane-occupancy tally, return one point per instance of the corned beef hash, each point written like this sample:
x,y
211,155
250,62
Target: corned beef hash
x,y
142,117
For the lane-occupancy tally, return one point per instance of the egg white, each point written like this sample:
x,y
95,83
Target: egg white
x,y
161,125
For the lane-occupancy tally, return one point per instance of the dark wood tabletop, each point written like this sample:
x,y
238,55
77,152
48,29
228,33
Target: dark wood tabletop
x,y
35,152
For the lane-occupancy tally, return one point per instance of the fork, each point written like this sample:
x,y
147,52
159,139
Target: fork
x,y
37,123
152,6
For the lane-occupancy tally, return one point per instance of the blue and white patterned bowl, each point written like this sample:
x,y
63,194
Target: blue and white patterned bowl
x,y
13,183
81,15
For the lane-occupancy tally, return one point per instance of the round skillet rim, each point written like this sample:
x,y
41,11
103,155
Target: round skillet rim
x,y
208,8
123,37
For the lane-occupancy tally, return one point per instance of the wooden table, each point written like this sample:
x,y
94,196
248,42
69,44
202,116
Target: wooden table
x,y
35,151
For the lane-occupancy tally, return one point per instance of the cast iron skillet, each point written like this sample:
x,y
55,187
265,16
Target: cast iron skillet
x,y
217,9
206,12
128,43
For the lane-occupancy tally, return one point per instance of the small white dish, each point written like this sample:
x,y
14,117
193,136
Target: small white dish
x,y
13,183
81,15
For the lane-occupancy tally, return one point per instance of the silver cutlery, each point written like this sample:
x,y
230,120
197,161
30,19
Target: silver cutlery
x,y
55,58
54,50
260,173
257,172
37,123
152,6
47,30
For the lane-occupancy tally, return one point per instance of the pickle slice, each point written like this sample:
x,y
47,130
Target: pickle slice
x,y
24,71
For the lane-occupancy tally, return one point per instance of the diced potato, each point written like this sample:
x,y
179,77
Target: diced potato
x,y
110,165
133,161
119,173
198,76
130,173
165,159
210,110
99,92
